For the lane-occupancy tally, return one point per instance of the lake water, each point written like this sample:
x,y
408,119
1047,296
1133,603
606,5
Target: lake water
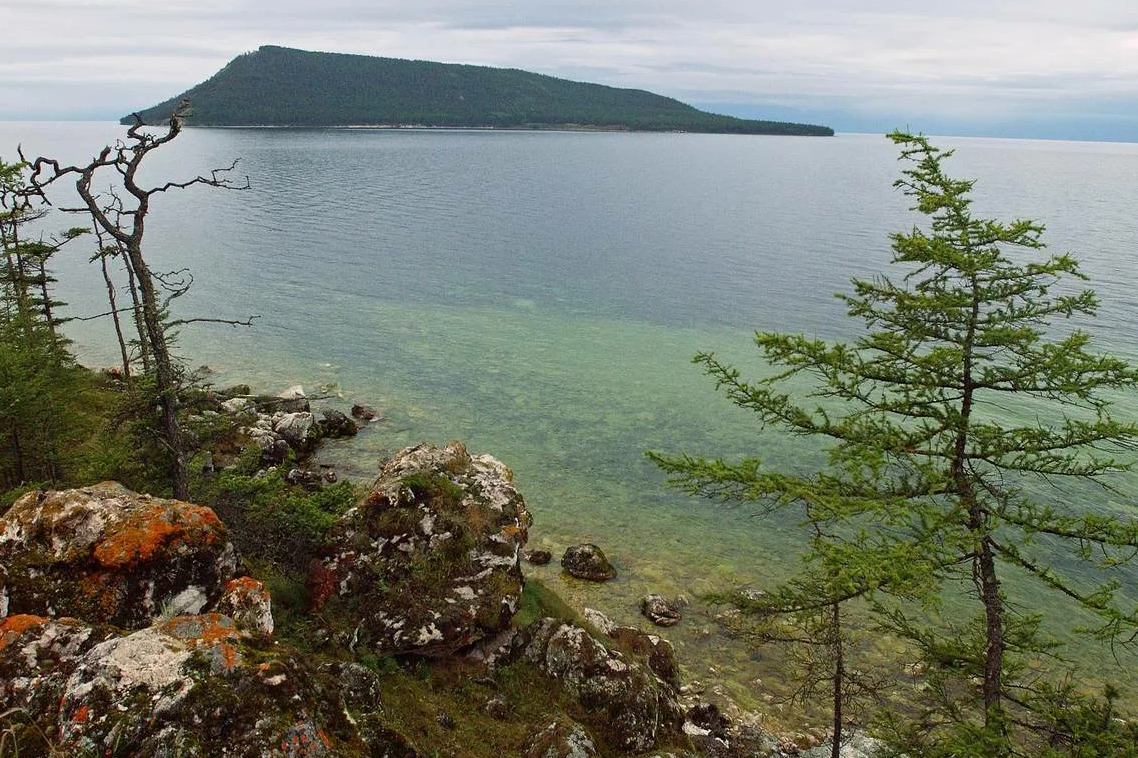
x,y
539,296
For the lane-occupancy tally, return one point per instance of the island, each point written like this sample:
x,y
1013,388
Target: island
x,y
280,86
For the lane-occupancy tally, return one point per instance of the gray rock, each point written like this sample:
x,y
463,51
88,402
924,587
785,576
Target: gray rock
x,y
622,698
184,686
559,740
429,561
659,611
335,425
239,405
293,400
587,561
108,555
295,429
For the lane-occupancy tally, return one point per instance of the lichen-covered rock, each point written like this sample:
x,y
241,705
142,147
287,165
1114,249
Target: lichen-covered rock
x,y
621,697
659,611
559,740
247,602
108,555
429,561
656,652
297,429
188,686
587,561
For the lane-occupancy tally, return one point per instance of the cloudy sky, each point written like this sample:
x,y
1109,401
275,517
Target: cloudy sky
x,y
1051,68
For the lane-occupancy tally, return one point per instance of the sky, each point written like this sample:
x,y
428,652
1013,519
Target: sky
x,y
1025,68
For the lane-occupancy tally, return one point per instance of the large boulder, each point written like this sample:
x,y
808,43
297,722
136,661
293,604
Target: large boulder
x,y
622,698
188,686
108,555
428,562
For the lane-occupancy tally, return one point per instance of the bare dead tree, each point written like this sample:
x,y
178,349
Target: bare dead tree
x,y
123,220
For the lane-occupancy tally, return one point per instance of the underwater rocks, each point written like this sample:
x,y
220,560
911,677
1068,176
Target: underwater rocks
x,y
587,561
659,611
429,561
620,696
106,554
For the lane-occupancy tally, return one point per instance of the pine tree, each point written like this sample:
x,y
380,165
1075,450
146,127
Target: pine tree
x,y
931,493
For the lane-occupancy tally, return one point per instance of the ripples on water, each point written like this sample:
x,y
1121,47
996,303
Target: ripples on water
x,y
539,295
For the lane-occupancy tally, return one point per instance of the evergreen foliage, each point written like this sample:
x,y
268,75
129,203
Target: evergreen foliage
x,y
41,386
278,86
935,502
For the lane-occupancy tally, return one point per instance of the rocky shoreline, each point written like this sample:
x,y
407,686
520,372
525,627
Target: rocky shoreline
x,y
129,624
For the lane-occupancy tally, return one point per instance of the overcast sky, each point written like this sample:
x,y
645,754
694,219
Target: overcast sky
x,y
983,65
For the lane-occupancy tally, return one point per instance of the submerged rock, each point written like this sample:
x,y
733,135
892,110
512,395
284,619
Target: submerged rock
x,y
108,555
364,412
429,561
587,561
335,424
659,611
539,557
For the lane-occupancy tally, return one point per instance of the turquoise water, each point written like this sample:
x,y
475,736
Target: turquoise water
x,y
539,296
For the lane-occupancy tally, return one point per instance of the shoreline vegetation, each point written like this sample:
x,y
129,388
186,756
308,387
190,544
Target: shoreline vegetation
x,y
285,87
224,591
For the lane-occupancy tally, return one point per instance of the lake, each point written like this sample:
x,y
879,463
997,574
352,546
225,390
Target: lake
x,y
539,296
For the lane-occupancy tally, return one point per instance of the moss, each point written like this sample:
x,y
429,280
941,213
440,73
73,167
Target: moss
x,y
538,601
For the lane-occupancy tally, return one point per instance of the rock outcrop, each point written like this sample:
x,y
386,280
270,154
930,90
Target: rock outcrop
x,y
106,554
560,740
429,561
182,687
622,697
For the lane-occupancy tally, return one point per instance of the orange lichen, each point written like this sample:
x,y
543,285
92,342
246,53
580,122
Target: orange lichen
x,y
13,626
81,714
149,529
212,631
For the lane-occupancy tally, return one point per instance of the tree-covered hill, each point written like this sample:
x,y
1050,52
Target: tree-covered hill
x,y
279,86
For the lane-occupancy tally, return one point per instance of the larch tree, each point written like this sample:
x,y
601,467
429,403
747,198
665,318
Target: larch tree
x,y
119,218
933,494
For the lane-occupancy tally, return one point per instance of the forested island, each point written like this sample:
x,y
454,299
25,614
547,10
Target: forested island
x,y
280,86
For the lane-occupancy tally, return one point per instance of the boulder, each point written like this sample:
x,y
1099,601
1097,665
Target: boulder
x,y
335,424
237,405
655,651
622,698
108,555
292,400
247,602
560,740
296,429
428,562
659,611
587,561
185,687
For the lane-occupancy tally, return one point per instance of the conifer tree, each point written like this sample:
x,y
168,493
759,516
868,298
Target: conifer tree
x,y
932,492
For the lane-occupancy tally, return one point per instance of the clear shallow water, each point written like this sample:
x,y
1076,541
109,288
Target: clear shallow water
x,y
539,296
